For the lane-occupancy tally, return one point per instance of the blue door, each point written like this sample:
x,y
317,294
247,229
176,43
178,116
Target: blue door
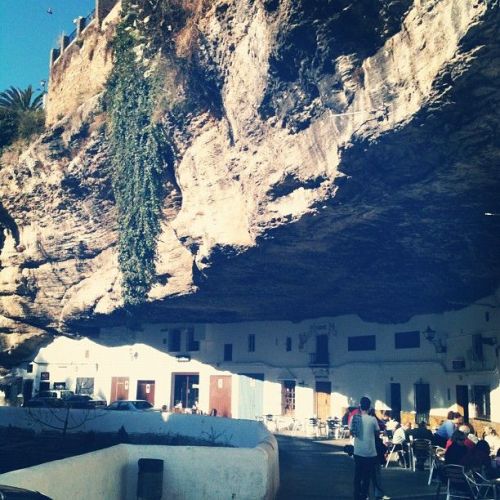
x,y
251,395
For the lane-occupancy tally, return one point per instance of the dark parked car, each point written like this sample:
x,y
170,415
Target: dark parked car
x,y
83,401
56,393
12,493
49,399
130,405
44,402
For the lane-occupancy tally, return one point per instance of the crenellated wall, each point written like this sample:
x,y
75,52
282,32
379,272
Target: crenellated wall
x,y
80,66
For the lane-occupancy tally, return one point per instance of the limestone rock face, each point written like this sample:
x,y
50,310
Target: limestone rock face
x,y
348,170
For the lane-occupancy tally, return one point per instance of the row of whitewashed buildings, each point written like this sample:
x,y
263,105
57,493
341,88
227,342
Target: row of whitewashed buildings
x,y
312,368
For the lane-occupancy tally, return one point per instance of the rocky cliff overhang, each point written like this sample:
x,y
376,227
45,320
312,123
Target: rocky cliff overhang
x,y
349,171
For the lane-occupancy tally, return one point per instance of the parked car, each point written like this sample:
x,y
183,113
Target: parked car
x,y
83,401
56,393
11,492
44,402
49,399
130,405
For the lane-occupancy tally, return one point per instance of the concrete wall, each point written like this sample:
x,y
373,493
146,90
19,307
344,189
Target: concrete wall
x,y
221,431
100,474
143,354
190,472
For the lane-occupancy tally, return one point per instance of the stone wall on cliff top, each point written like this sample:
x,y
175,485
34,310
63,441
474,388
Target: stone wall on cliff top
x,y
83,68
348,170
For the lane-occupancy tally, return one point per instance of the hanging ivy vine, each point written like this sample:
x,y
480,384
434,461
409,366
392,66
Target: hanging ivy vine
x,y
138,160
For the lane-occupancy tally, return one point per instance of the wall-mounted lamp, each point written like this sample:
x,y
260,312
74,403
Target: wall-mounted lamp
x,y
430,335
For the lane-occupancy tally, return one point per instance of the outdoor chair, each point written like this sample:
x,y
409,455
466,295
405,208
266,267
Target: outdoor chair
x,y
344,432
436,462
312,427
400,450
296,425
481,488
332,428
457,485
422,454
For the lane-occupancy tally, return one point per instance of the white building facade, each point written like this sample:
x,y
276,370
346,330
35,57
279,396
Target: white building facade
x,y
317,367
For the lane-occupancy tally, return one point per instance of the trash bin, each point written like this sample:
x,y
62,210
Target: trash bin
x,y
150,479
12,493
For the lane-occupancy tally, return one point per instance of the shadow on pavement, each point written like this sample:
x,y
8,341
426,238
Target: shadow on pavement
x,y
315,469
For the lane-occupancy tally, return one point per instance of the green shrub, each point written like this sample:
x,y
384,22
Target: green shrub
x,y
137,146
8,127
30,122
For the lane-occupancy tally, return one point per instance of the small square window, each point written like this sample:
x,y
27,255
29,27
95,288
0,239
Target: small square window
x,y
361,343
407,340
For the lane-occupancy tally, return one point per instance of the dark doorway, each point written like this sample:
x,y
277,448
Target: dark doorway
x,y
186,390
463,401
146,390
27,389
119,389
395,401
322,397
44,386
220,395
422,402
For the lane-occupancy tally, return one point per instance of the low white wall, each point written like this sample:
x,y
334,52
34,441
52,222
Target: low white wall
x,y
193,472
217,430
100,474
190,472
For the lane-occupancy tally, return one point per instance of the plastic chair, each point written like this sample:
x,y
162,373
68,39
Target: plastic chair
x,y
312,425
344,432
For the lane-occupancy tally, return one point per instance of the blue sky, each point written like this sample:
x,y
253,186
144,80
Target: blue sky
x,y
28,32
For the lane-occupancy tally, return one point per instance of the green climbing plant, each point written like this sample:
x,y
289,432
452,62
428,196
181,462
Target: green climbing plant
x,y
138,160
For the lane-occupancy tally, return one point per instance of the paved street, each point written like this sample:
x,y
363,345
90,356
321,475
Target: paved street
x,y
315,469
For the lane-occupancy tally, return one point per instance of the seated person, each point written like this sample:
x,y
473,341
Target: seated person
x,y
399,439
391,424
478,460
421,432
445,430
495,463
468,442
456,452
490,436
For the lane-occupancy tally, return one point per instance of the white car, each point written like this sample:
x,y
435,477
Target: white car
x,y
130,405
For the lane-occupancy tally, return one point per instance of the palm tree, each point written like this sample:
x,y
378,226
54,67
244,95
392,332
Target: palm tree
x,y
16,99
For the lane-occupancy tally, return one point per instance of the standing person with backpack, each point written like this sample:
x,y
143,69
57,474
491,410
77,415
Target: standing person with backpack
x,y
363,428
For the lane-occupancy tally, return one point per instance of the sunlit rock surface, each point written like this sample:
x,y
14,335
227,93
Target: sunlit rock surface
x,y
348,170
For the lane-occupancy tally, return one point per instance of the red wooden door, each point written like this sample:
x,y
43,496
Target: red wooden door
x,y
322,399
220,394
119,388
146,390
